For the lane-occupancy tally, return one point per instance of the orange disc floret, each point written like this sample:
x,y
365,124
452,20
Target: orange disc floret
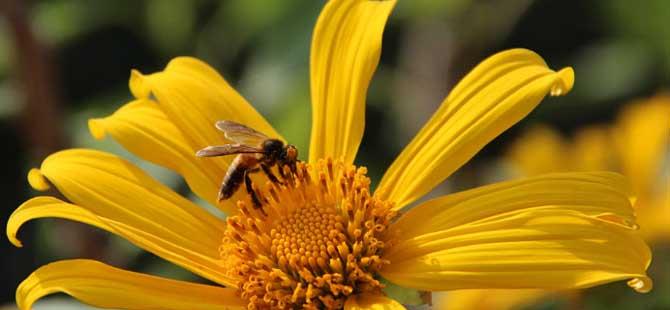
x,y
314,241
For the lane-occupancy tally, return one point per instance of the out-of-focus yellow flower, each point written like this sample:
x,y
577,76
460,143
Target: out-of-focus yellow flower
x,y
540,151
322,238
486,299
636,145
642,139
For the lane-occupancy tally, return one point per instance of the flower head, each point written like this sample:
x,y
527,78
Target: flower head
x,y
321,238
316,240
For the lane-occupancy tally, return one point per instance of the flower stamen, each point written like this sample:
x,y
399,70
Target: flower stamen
x,y
314,241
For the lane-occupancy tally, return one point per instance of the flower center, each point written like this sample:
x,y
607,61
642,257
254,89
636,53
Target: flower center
x,y
315,240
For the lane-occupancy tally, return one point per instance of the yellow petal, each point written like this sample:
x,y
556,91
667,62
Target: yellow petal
x,y
136,207
36,180
371,302
143,129
492,97
194,96
104,286
557,231
345,52
40,207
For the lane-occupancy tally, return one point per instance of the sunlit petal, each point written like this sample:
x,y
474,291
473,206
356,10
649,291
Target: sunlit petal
x,y
492,97
345,51
135,206
44,206
143,129
194,96
104,286
557,231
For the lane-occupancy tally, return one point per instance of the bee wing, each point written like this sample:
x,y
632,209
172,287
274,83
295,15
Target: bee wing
x,y
227,149
240,133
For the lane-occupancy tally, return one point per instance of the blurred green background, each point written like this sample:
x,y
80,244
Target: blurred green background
x,y
64,61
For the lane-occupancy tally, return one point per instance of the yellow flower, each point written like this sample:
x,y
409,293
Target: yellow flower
x,y
322,238
635,145
488,299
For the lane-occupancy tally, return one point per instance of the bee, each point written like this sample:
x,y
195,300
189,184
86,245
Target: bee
x,y
254,151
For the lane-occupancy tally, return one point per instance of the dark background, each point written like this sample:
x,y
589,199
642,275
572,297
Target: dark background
x,y
64,61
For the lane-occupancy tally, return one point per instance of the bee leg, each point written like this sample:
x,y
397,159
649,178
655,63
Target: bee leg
x,y
250,190
280,168
270,175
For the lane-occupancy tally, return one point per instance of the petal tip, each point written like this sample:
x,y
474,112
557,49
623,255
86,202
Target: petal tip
x,y
138,85
37,180
185,60
14,240
10,231
97,129
564,82
641,285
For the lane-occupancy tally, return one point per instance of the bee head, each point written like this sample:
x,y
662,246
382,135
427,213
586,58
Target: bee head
x,y
273,148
